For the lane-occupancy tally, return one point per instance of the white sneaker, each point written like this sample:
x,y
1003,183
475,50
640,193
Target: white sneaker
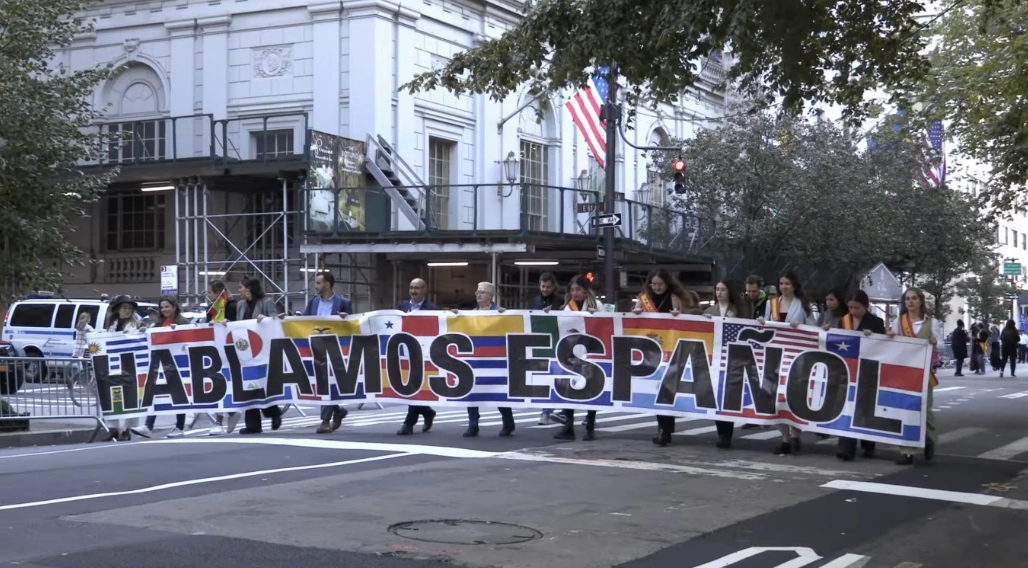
x,y
216,430
233,420
176,433
544,419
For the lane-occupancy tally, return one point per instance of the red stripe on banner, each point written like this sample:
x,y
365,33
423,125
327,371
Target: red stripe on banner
x,y
198,335
853,365
141,380
670,324
602,329
424,395
900,377
305,352
405,366
421,325
189,388
750,413
482,352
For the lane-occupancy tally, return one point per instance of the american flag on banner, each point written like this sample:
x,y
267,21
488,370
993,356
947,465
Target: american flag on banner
x,y
792,341
935,174
586,109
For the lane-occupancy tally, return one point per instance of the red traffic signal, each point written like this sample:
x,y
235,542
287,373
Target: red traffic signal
x,y
589,276
678,165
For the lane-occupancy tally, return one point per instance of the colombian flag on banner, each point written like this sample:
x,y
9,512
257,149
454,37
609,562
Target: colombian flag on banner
x,y
489,360
667,332
301,329
425,328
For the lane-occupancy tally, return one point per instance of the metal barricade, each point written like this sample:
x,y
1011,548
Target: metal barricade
x,y
72,402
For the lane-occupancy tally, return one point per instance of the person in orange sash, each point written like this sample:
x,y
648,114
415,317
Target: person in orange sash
x,y
791,307
725,306
914,321
580,299
858,318
661,294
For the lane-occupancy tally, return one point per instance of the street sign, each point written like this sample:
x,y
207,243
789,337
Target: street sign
x,y
169,280
601,253
1011,269
588,207
608,220
881,285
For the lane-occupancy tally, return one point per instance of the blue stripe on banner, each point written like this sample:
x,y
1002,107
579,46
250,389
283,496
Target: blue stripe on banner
x,y
683,403
603,399
901,401
487,363
911,432
492,381
344,341
556,369
487,341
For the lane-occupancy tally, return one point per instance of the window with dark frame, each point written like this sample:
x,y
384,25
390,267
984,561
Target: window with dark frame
x,y
141,141
440,158
136,222
272,144
535,178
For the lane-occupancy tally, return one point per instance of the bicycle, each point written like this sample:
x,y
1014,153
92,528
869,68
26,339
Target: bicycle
x,y
81,385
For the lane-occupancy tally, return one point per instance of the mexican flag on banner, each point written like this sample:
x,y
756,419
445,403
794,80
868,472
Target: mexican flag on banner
x,y
562,324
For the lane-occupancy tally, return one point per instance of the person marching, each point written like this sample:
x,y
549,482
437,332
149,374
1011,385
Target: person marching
x,y
548,298
914,321
725,306
417,303
789,306
255,304
580,299
661,294
222,310
123,318
858,318
484,297
328,303
170,316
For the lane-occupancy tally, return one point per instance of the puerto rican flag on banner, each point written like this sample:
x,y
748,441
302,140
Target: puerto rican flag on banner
x,y
586,108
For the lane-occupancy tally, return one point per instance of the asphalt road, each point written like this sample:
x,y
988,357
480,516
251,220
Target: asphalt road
x,y
293,498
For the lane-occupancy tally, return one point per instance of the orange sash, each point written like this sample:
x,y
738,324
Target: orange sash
x,y
776,309
573,304
847,322
647,303
907,329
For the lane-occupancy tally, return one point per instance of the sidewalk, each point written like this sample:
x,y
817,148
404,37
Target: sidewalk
x,y
50,433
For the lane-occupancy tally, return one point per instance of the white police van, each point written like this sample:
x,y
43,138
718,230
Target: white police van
x,y
44,326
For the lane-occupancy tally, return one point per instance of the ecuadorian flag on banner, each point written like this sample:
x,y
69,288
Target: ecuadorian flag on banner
x,y
301,329
489,337
668,332
424,327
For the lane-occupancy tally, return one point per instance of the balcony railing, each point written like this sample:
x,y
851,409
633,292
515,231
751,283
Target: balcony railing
x,y
248,139
367,213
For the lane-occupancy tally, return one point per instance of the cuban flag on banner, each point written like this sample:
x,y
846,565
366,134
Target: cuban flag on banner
x,y
901,387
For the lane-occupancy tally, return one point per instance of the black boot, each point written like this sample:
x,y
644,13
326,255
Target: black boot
x,y
905,459
929,450
429,417
471,432
405,430
783,449
565,433
723,442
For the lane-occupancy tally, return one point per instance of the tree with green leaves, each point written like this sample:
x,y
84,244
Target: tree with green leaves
x,y
796,52
978,83
44,134
986,294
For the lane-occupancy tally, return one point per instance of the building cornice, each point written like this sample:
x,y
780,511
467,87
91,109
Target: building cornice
x,y
215,25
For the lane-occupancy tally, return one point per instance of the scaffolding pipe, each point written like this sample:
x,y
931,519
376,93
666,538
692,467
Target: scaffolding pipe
x,y
495,281
196,244
285,243
206,252
178,250
302,198
186,241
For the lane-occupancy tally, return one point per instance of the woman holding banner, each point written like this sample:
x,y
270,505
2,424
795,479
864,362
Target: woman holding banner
x,y
254,304
858,318
661,294
484,295
914,321
725,307
791,307
170,315
580,299
123,318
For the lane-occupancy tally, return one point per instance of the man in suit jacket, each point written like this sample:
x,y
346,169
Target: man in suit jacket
x,y
418,302
327,303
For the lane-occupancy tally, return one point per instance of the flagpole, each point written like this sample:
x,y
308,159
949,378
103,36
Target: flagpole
x,y
611,116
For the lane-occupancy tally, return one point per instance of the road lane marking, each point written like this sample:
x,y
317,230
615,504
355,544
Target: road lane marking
x,y
945,389
697,431
1015,395
932,494
188,482
1008,451
959,434
441,451
773,433
849,561
64,451
636,465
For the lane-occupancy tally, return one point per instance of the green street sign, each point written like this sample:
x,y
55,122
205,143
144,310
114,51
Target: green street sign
x,y
1011,269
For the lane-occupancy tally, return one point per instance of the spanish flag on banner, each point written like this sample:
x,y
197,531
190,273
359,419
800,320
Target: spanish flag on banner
x,y
217,310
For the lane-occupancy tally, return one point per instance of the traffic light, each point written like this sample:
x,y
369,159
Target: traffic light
x,y
679,167
589,276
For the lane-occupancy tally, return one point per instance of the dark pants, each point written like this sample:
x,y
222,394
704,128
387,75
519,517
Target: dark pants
x,y
724,429
848,446
569,415
959,364
506,414
1008,355
414,411
180,421
328,410
252,417
666,425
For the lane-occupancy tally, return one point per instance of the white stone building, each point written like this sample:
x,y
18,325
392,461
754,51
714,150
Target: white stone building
x,y
219,100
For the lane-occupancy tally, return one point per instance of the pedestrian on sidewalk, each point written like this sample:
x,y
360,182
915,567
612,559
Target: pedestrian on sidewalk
x,y
1010,339
958,341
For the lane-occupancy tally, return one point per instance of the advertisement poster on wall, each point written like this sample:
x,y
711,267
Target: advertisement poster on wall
x,y
336,181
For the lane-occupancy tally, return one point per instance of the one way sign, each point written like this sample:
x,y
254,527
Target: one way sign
x,y
608,220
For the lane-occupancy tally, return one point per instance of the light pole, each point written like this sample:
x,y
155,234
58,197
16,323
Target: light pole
x,y
611,115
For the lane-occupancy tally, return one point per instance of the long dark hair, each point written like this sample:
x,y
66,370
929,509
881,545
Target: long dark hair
x,y
674,287
840,298
254,286
731,295
797,290
174,304
585,284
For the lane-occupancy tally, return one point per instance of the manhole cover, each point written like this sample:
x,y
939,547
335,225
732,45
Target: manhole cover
x,y
459,531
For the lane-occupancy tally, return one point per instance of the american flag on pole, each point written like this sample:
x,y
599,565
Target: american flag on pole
x,y
586,109
935,174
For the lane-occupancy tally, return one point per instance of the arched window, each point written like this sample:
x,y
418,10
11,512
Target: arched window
x,y
538,140
652,191
136,104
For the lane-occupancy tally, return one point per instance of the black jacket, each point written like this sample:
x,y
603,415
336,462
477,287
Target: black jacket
x,y
540,302
426,306
958,341
230,312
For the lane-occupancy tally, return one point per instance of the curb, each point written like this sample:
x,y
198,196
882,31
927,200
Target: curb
x,y
48,438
